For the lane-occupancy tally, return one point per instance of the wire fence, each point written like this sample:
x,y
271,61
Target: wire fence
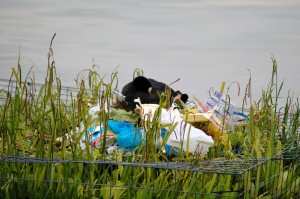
x,y
275,177
104,179
10,86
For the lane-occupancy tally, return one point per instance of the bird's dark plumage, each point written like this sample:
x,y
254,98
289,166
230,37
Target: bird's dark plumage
x,y
184,98
141,83
139,88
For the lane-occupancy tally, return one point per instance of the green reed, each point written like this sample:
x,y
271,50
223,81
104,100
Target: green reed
x,y
31,122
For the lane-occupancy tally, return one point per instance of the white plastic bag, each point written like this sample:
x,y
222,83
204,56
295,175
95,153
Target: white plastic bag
x,y
185,136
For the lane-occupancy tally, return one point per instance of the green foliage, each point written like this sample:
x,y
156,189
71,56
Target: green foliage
x,y
31,122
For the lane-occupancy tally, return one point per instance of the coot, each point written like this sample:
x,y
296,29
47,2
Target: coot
x,y
148,90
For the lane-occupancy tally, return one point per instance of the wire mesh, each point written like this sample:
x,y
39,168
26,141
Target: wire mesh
x,y
10,86
276,177
247,177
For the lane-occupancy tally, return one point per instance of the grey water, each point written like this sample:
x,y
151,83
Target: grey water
x,y
204,42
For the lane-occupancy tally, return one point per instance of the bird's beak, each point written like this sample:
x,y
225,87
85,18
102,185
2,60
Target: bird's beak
x,y
149,90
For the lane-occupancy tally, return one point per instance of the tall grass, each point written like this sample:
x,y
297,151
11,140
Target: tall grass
x,y
33,165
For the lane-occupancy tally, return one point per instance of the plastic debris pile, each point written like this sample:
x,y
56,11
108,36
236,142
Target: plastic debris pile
x,y
122,133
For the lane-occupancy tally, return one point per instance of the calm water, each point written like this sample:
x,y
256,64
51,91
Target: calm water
x,y
201,42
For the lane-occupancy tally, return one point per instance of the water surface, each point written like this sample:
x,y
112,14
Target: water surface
x,y
201,42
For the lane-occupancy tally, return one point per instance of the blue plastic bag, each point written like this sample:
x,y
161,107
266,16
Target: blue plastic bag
x,y
169,149
128,135
118,126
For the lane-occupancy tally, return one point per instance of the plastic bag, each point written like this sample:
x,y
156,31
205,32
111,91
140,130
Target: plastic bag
x,y
128,135
95,137
185,136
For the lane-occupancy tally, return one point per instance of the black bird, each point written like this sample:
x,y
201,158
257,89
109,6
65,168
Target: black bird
x,y
161,87
148,90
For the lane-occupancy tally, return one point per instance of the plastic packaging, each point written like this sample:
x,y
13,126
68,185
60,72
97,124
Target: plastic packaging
x,y
191,104
129,138
146,110
98,141
128,135
119,96
96,137
210,102
219,108
185,136
169,149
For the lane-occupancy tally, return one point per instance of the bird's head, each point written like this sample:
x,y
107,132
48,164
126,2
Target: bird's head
x,y
182,96
141,83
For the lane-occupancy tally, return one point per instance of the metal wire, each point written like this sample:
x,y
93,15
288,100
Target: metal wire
x,y
11,85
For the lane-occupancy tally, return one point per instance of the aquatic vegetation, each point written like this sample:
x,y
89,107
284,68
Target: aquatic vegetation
x,y
259,157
